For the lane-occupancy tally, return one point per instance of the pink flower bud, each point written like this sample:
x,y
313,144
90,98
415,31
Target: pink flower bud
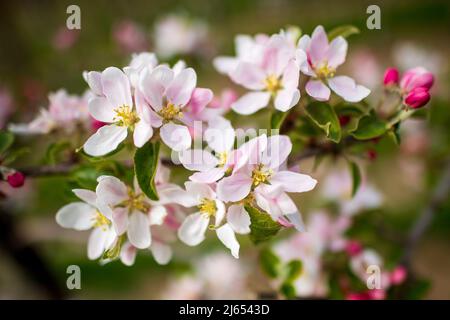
x,y
398,275
16,179
95,124
416,78
417,98
390,76
353,248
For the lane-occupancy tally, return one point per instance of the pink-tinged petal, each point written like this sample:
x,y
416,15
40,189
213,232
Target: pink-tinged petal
x,y
161,252
175,136
139,230
208,176
158,214
96,243
318,48
180,90
251,102
234,188
243,44
252,151
171,193
228,238
278,149
238,219
101,109
276,55
76,215
199,99
142,133
296,220
337,52
318,90
220,134
293,182
197,160
111,191
128,254
120,220
415,78
304,42
200,191
116,87
220,213
347,88
94,80
286,99
249,75
105,140
291,75
225,65
151,86
87,196
193,228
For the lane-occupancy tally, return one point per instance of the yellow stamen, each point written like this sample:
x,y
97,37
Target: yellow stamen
x,y
170,112
207,207
324,71
135,202
273,84
125,116
261,175
222,159
100,221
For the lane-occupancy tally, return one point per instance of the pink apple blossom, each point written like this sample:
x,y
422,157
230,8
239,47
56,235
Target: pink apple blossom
x,y
321,62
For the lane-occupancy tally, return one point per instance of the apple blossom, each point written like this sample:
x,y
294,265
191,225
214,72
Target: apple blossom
x,y
320,63
391,76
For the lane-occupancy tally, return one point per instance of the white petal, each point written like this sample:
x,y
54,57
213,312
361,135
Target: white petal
x,y
286,99
116,87
278,149
142,133
157,215
180,90
105,140
151,86
101,109
291,75
337,52
76,215
220,213
248,75
208,176
161,252
318,90
94,80
293,181
220,134
111,191
197,160
238,219
228,238
200,190
172,193
296,219
251,102
318,47
193,228
139,230
120,220
87,196
175,136
234,188
128,254
225,65
96,243
347,88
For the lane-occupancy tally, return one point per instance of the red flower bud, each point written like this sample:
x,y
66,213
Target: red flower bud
x,y
16,179
371,154
398,275
417,98
343,120
390,76
353,248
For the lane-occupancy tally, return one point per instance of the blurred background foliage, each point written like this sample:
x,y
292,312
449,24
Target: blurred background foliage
x,y
33,65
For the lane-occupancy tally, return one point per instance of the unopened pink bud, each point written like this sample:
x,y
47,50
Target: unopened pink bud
x,y
390,76
353,248
16,179
417,98
398,275
416,78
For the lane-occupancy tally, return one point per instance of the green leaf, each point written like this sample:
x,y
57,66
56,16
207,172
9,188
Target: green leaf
x,y
356,177
262,226
145,163
270,263
324,116
277,119
14,154
288,290
369,127
343,31
293,270
86,176
55,150
6,140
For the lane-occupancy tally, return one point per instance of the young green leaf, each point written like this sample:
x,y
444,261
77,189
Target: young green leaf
x,y
343,31
369,127
145,164
324,116
356,177
294,269
277,119
262,226
6,140
270,263
55,150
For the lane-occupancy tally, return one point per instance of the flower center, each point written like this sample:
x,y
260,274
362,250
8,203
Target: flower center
x,y
273,84
100,221
208,207
261,174
136,202
222,156
324,71
170,112
125,116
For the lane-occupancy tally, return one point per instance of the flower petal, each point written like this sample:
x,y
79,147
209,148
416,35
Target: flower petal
x,y
318,47
337,52
193,228
225,65
96,243
76,215
197,159
175,136
111,191
208,176
238,219
199,99
87,196
116,87
278,149
251,102
128,254
220,134
139,230
94,80
120,220
180,90
142,133
101,109
249,76
286,99
228,238
293,181
161,252
234,188
318,90
105,140
347,88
